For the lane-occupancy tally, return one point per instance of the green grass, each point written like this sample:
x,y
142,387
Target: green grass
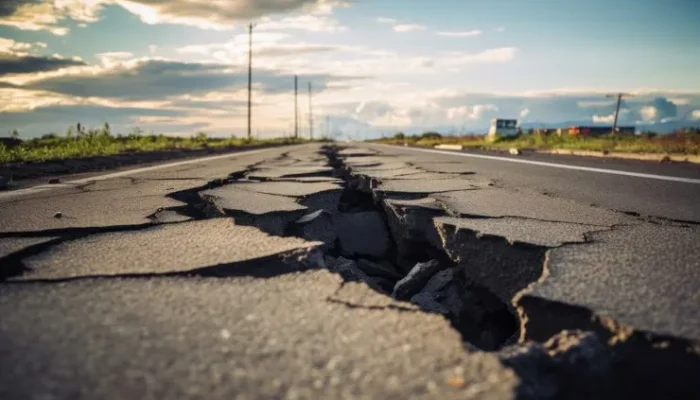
x,y
100,142
686,143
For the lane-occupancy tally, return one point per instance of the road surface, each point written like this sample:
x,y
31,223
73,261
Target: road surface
x,y
354,271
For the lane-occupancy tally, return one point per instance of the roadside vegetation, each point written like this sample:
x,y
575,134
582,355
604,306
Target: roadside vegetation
x,y
686,142
80,142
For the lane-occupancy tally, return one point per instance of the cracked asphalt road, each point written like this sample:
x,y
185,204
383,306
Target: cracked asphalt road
x,y
269,275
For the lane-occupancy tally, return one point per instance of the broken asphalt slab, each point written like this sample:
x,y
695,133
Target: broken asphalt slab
x,y
89,207
290,189
419,186
233,198
619,275
160,250
517,230
497,203
12,245
290,172
193,338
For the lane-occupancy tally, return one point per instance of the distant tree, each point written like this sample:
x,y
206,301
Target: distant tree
x,y
107,129
431,135
49,136
400,136
15,134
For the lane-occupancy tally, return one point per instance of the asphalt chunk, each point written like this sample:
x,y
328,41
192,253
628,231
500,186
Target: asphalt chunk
x,y
291,189
290,171
163,249
429,186
232,198
515,230
189,338
494,202
618,275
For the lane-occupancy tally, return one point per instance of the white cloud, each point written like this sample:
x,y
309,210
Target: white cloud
x,y
460,34
383,20
594,103
497,55
363,62
225,14
679,101
475,112
18,100
309,22
116,54
695,115
114,58
408,28
19,59
270,50
501,29
648,113
604,119
48,14
211,14
11,46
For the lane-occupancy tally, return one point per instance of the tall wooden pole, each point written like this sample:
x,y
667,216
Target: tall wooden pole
x,y
250,77
311,116
617,112
619,97
296,107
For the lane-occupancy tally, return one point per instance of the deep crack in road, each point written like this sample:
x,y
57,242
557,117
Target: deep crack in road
x,y
341,272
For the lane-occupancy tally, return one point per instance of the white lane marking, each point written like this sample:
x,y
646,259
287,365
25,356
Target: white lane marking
x,y
42,188
554,165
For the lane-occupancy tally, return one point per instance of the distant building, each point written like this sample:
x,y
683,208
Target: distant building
x,y
503,127
599,130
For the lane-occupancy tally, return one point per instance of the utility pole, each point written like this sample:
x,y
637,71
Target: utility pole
x,y
250,77
296,107
311,116
328,126
617,108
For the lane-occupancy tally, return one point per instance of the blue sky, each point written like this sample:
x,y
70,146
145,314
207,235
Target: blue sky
x,y
378,66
